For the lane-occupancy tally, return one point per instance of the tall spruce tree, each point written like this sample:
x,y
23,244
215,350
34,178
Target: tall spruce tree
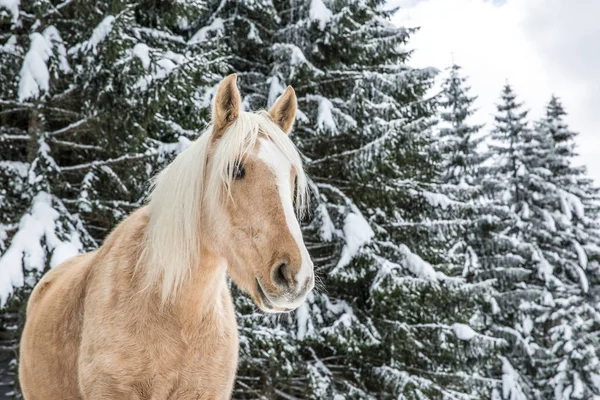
x,y
503,252
459,140
382,327
568,240
540,266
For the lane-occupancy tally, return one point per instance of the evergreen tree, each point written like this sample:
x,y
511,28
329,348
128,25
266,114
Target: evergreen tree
x,y
540,265
364,127
568,242
459,140
503,252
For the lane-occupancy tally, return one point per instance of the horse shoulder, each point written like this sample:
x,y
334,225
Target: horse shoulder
x,y
50,339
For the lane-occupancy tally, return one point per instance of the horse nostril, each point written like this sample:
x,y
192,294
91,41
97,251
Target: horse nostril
x,y
283,275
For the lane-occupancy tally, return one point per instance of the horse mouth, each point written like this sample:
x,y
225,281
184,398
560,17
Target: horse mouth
x,y
266,302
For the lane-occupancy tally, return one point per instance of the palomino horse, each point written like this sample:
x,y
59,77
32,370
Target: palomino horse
x,y
149,314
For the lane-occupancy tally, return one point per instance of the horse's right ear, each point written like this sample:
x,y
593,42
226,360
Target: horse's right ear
x,y
227,105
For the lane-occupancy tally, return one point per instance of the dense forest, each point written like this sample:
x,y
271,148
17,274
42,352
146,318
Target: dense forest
x,y
455,260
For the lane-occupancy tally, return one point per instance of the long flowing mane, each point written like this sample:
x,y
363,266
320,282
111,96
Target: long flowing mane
x,y
185,187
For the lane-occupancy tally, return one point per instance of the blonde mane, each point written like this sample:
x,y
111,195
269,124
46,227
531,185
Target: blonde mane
x,y
182,190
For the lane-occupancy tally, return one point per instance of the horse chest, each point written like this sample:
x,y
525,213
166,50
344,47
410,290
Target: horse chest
x,y
198,363
163,358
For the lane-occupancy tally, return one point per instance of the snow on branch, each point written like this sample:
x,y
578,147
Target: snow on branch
x,y
511,382
36,237
357,233
216,26
69,127
366,147
75,145
320,13
356,230
99,34
413,263
34,75
125,158
13,7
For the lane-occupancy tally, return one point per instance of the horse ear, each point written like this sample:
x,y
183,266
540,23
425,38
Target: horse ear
x,y
283,111
227,105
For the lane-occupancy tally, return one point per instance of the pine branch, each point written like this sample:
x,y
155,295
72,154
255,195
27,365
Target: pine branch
x,y
37,107
15,137
75,145
125,158
70,127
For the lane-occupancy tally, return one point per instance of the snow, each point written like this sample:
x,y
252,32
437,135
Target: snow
x,y
303,321
581,256
495,307
463,332
13,7
21,168
10,47
216,26
527,324
325,120
577,387
566,209
549,221
327,228
253,35
436,199
36,236
583,281
415,264
545,269
63,252
53,37
511,388
571,204
576,205
320,13
471,261
357,232
525,211
595,378
162,68
99,34
34,75
275,89
142,51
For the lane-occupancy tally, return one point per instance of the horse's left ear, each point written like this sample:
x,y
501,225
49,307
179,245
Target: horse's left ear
x,y
228,104
283,111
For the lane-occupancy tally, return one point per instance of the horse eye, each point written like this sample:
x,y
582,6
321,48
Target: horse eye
x,y
238,170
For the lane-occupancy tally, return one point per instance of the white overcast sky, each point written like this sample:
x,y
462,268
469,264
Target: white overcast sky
x,y
541,46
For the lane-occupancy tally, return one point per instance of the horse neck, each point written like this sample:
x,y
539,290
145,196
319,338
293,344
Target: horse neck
x,y
202,290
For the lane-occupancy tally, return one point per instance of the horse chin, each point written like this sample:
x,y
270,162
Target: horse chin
x,y
265,304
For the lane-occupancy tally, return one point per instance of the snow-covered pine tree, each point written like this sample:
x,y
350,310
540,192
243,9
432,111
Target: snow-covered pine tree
x,y
459,143
503,252
459,140
539,262
140,58
385,324
568,239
